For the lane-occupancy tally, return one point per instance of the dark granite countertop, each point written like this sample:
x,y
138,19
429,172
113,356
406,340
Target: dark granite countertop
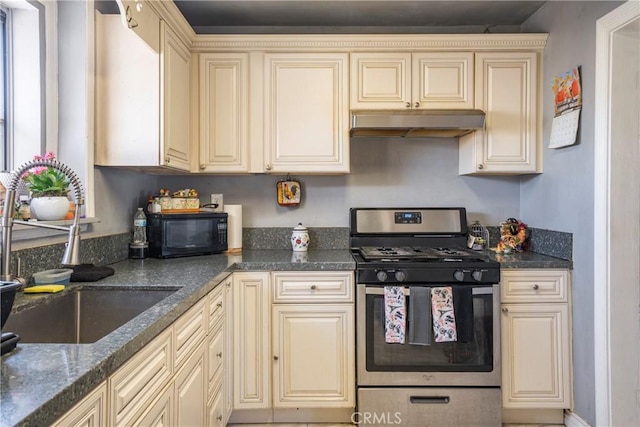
x,y
528,260
40,382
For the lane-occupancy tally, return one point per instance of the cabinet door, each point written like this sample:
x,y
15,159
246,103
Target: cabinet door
x,y
535,356
306,113
228,349
507,91
251,348
442,80
224,112
175,74
191,391
380,80
127,97
313,356
91,411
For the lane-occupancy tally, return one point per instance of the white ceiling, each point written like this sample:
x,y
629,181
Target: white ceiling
x,y
355,16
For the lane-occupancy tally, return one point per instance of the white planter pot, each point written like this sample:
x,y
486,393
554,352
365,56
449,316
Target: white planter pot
x,y
49,208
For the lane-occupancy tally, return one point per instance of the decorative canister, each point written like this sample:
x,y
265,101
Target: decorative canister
x,y
300,238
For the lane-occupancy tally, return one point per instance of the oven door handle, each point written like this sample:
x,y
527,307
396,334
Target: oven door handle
x,y
377,290
429,399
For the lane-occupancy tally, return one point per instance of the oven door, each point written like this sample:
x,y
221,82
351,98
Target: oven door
x,y
472,363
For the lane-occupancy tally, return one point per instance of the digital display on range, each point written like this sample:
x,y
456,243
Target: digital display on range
x,y
408,217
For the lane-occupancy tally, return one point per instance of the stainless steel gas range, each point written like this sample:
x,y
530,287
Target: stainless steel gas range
x,y
441,366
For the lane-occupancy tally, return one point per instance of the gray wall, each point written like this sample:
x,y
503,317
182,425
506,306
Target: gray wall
x,y
384,172
562,197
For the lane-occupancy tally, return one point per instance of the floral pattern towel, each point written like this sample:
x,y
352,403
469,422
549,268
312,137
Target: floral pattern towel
x,y
444,320
394,315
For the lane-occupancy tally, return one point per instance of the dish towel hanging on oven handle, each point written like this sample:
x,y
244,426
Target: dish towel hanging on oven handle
x,y
394,315
420,324
444,320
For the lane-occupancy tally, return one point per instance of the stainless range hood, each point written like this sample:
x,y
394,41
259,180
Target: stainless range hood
x,y
415,123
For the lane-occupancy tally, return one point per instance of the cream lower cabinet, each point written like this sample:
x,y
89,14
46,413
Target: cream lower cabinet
x,y
90,412
178,379
309,362
306,112
507,90
536,340
405,80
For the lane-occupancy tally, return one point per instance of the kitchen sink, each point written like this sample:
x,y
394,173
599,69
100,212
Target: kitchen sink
x,y
82,316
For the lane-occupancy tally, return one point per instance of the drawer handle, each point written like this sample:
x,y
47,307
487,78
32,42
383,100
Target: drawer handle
x,y
313,287
429,399
536,287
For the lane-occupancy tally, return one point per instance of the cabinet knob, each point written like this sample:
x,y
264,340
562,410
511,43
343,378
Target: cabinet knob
x,y
313,287
407,104
219,355
275,358
219,418
268,167
219,304
536,287
505,310
480,166
168,160
417,104
202,167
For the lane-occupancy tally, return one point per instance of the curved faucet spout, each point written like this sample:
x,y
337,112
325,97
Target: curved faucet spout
x,y
71,253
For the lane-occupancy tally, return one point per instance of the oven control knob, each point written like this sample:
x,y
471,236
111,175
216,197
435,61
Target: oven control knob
x,y
477,275
458,275
401,276
381,275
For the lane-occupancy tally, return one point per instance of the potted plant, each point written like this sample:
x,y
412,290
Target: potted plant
x,y
49,188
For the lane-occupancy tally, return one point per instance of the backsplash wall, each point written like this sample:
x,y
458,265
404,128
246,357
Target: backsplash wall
x,y
384,172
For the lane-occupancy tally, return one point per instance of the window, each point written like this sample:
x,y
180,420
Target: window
x,y
24,87
3,88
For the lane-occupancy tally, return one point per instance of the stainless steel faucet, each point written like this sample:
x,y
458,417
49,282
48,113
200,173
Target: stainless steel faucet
x,y
72,251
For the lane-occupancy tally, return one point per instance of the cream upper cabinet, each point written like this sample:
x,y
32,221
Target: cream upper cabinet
x,y
507,90
224,112
175,75
536,339
403,80
137,16
142,99
306,113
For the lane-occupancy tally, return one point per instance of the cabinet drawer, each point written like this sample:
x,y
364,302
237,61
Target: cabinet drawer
x,y
190,332
135,385
216,356
216,306
312,287
534,286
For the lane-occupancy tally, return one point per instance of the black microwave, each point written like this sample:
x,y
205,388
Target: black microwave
x,y
186,234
